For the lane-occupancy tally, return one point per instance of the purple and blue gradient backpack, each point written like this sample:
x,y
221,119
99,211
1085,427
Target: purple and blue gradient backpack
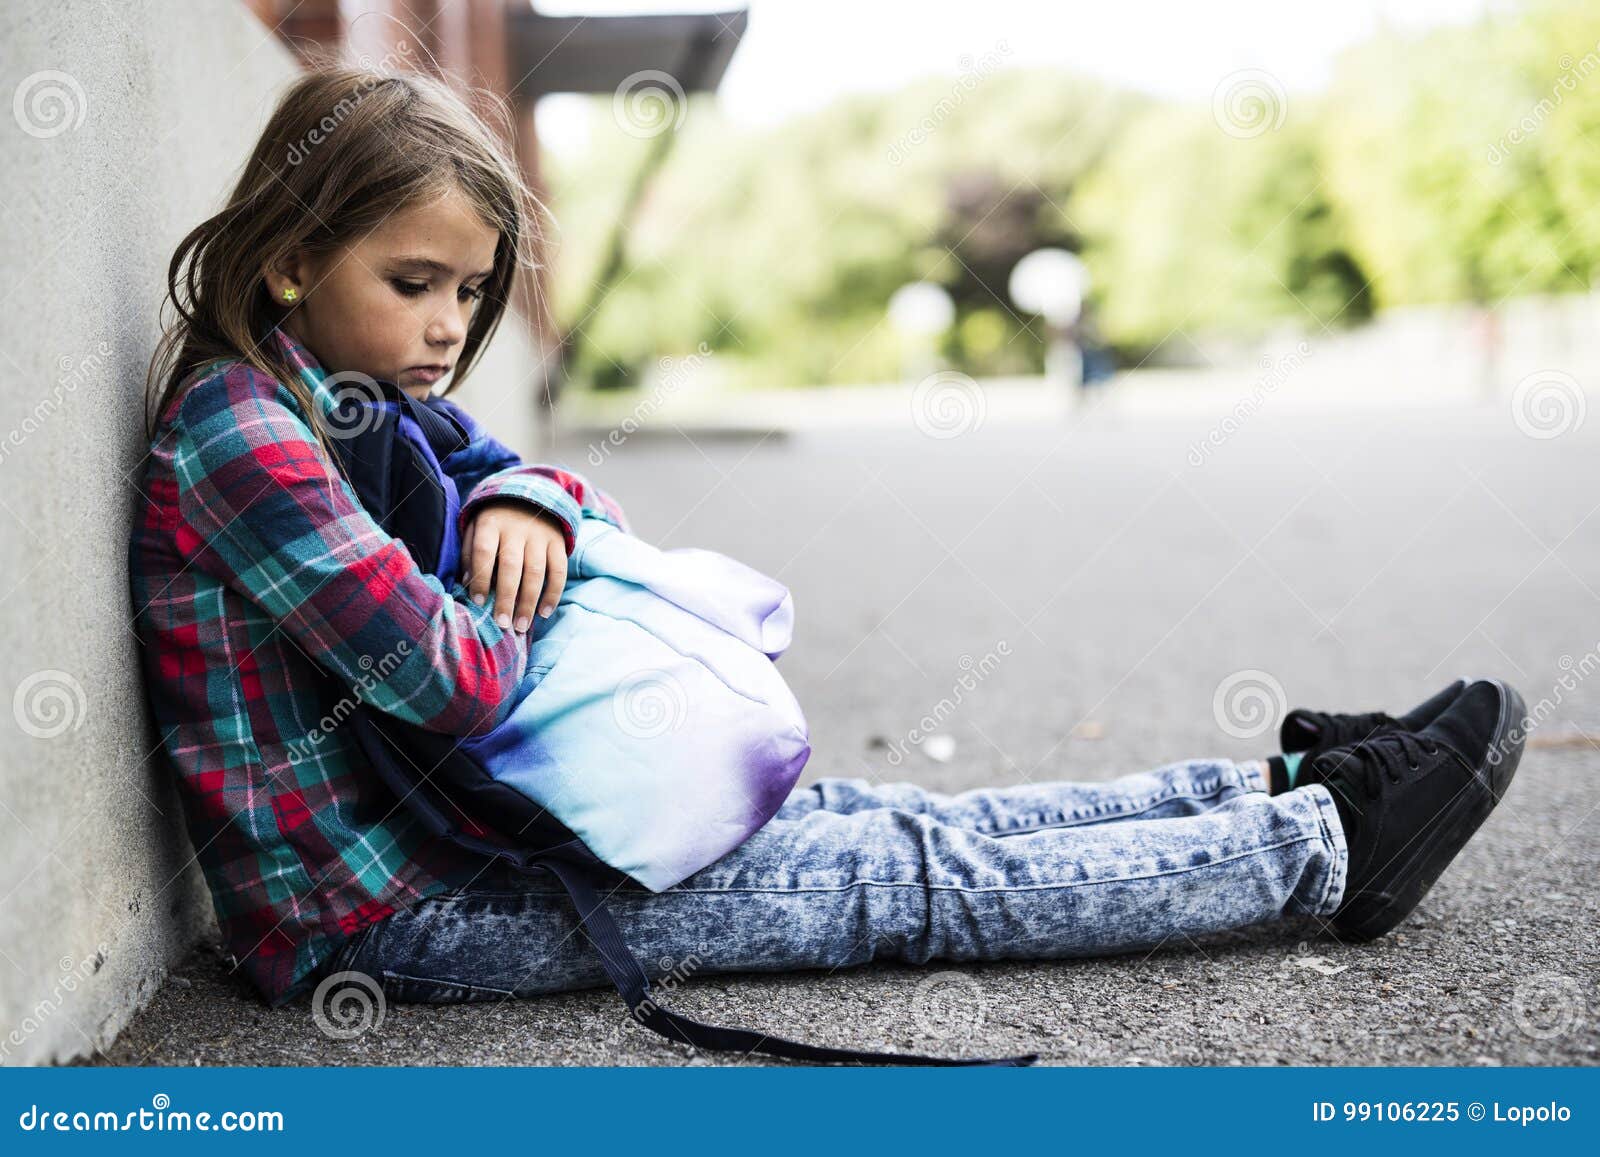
x,y
651,735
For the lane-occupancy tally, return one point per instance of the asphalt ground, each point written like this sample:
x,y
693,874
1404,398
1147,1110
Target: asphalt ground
x,y
1355,559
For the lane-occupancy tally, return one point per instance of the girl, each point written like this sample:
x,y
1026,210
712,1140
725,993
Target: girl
x,y
389,247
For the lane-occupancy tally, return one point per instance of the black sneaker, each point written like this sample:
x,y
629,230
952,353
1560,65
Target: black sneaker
x,y
1313,731
1409,801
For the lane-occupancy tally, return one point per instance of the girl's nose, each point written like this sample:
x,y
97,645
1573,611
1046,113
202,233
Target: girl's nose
x,y
447,328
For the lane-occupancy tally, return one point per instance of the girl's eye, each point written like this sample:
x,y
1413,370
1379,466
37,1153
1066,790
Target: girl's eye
x,y
418,288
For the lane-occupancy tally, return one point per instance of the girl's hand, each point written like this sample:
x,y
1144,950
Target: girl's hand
x,y
525,549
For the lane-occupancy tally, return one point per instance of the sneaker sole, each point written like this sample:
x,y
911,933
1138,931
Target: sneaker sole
x,y
1377,912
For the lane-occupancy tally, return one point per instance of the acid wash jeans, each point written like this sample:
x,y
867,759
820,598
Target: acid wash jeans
x,y
849,871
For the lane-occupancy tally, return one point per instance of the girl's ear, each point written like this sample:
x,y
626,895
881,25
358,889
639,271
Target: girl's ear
x,y
288,279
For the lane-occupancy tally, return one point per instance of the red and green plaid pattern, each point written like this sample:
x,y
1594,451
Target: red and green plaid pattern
x,y
263,592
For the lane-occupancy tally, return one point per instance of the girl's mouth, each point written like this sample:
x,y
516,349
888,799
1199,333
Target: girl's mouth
x,y
429,374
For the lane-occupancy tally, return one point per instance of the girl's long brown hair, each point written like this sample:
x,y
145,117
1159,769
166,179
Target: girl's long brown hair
x,y
345,147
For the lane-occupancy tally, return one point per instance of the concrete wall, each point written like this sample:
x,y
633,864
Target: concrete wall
x,y
126,125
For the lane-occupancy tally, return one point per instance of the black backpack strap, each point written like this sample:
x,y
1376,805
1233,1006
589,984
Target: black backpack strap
x,y
417,792
624,970
444,430
392,477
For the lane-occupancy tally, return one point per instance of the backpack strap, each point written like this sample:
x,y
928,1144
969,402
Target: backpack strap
x,y
569,863
391,456
623,968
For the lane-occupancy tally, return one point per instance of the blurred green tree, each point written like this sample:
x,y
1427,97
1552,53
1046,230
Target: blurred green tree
x,y
1457,164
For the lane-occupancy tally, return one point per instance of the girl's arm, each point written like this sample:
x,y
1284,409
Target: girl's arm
x,y
265,510
487,469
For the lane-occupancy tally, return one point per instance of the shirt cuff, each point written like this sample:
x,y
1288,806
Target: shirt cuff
x,y
531,488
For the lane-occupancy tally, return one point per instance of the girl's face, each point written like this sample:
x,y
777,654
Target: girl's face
x,y
396,303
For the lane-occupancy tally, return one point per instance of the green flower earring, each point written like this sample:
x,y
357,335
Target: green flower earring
x,y
289,294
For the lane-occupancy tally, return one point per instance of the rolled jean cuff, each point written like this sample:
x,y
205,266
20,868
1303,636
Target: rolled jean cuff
x,y
1254,774
1333,832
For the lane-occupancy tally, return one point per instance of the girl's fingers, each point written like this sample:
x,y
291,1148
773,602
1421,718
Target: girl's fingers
x,y
508,577
528,596
466,553
555,576
524,561
551,576
485,545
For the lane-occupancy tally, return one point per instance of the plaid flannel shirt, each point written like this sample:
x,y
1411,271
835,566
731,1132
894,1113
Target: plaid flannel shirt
x,y
263,593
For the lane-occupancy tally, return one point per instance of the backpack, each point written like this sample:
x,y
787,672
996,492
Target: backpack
x,y
650,736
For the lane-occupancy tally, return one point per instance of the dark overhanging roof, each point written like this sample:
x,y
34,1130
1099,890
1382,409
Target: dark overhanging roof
x,y
597,53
